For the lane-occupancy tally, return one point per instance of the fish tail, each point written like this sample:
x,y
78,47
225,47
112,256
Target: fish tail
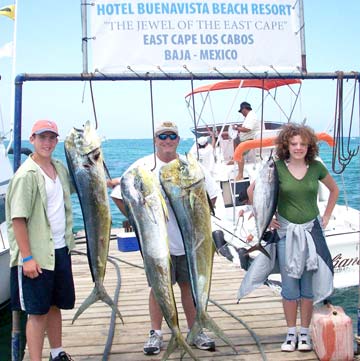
x,y
97,294
177,340
107,299
195,329
211,325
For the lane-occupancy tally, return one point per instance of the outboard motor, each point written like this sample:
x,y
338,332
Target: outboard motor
x,y
221,245
245,259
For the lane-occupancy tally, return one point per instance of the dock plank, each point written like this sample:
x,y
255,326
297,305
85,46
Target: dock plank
x,y
86,338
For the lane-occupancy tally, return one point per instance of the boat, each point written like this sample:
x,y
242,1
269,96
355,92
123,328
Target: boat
x,y
5,176
232,211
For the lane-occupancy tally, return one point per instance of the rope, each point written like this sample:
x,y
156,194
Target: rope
x,y
152,122
111,332
222,308
93,104
194,117
116,297
252,333
110,337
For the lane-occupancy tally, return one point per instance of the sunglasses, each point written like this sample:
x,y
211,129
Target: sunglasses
x,y
172,136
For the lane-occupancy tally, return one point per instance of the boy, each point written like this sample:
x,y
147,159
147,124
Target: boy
x,y
39,222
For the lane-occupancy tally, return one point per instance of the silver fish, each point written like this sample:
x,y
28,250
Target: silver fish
x,y
183,182
265,198
147,212
85,162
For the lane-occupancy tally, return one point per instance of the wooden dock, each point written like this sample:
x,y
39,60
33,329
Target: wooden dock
x,y
86,338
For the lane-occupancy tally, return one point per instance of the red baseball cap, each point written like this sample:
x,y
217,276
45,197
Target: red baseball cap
x,y
42,126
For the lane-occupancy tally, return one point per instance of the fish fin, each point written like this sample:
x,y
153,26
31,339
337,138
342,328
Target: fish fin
x,y
212,209
165,208
97,294
150,213
258,247
211,325
177,340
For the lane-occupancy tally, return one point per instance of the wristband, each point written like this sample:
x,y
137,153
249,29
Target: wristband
x,y
28,258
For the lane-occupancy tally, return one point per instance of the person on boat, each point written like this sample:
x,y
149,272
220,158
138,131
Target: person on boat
x,y
226,145
205,151
303,256
166,142
39,223
246,131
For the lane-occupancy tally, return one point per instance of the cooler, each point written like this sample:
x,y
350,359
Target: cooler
x,y
127,241
332,334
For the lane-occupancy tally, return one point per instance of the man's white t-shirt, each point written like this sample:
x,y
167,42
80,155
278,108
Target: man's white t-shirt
x,y
176,245
250,122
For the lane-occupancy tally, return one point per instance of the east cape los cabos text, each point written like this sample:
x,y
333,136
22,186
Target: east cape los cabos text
x,y
204,39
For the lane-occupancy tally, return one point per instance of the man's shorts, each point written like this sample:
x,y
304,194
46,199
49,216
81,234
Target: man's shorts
x,y
179,270
50,288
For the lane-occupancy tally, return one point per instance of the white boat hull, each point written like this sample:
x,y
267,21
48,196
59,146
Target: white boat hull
x,y
5,277
5,176
342,236
342,233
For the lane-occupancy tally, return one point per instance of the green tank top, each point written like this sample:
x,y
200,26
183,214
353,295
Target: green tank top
x,y
297,200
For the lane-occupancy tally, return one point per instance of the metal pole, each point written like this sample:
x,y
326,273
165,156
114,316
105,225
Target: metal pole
x,y
84,45
302,35
16,347
17,123
357,338
179,76
145,76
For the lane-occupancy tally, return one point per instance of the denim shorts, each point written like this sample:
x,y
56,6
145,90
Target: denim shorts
x,y
293,288
50,288
179,270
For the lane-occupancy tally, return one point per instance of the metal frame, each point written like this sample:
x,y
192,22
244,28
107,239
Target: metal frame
x,y
21,78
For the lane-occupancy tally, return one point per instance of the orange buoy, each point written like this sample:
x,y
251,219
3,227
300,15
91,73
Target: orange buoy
x,y
332,334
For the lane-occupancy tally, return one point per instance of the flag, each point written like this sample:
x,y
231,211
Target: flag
x,y
6,50
8,11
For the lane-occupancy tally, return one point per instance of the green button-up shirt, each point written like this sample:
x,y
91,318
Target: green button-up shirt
x,y
26,198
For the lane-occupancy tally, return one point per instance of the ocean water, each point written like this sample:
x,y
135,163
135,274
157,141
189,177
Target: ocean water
x,y
120,153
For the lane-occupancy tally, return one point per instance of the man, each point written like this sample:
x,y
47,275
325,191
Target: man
x,y
39,222
166,142
247,131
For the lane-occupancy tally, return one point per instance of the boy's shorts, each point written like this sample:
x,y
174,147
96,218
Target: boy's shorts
x,y
35,296
179,269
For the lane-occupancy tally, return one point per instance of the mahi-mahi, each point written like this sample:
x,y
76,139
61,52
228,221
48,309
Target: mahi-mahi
x,y
184,184
86,166
147,212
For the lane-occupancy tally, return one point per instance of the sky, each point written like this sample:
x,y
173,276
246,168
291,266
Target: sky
x,y
49,41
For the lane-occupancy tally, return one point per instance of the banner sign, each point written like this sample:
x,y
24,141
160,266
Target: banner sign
x,y
166,36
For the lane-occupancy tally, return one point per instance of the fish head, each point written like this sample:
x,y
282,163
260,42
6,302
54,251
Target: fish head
x,y
141,188
183,172
139,184
271,172
83,146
